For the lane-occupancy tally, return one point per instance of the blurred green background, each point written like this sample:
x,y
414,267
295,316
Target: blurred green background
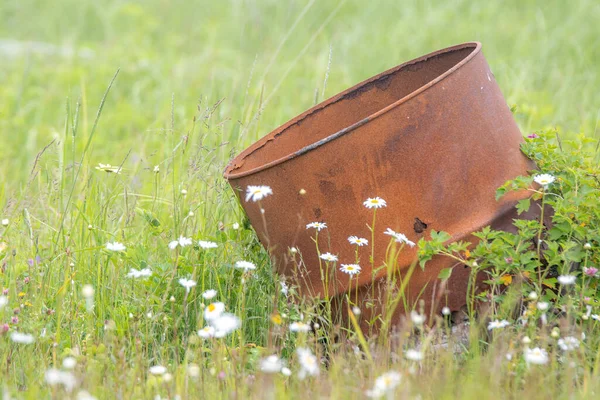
x,y
267,61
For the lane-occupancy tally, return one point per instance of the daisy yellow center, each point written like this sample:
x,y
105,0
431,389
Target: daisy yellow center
x,y
350,268
374,201
257,191
211,308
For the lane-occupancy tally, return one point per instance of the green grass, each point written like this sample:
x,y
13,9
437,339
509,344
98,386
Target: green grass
x,y
196,84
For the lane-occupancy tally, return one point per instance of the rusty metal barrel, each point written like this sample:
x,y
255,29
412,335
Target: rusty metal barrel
x,y
433,137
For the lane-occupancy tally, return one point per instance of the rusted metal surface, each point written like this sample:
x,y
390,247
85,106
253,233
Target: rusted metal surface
x,y
433,137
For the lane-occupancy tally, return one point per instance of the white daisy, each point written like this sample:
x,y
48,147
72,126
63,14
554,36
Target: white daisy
x,y
182,241
497,324
596,317
5,222
188,284
376,202
206,332
309,365
542,305
144,273
385,384
566,279
569,343
257,192
213,311
3,301
299,327
350,269
544,179
284,288
413,355
209,294
56,377
157,370
400,237
116,246
224,324
317,225
536,356
417,319
328,257
205,244
69,362
108,168
358,241
22,338
286,371
271,364
245,265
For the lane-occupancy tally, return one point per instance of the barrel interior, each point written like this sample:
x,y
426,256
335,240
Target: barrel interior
x,y
348,108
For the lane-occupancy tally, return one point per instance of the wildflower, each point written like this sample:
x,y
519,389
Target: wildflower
x,y
497,324
526,340
413,355
350,269
400,237
213,311
56,377
544,179
69,362
271,364
257,193
184,192
587,246
84,395
309,364
543,305
532,136
376,202
193,370
328,257
317,225
5,222
532,296
245,265
358,241
417,319
590,271
23,338
235,226
446,311
224,324
385,384
536,356
596,317
299,327
206,332
157,370
116,246
567,279
569,343
156,169
284,288
188,284
207,244
276,319
108,168
144,273
286,371
293,250
87,291
209,294
182,241
356,310
3,301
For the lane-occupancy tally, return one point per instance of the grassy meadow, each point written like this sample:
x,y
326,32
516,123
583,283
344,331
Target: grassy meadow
x,y
167,92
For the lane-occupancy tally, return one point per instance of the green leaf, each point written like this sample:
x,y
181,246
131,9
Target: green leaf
x,y
445,274
523,205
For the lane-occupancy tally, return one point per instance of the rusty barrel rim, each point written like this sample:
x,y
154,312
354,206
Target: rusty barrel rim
x,y
229,174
